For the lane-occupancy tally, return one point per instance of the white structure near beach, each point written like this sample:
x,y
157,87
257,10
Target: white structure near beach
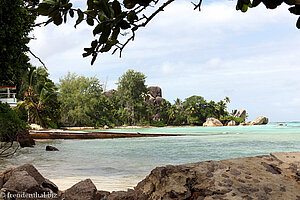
x,y
8,95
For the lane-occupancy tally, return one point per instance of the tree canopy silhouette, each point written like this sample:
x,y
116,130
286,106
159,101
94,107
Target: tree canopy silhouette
x,y
115,22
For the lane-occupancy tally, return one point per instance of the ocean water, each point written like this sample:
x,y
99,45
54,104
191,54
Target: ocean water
x,y
119,164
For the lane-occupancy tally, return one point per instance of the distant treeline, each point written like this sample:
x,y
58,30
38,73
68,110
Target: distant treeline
x,y
81,101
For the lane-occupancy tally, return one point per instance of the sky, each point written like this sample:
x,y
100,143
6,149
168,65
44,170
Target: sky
x,y
252,57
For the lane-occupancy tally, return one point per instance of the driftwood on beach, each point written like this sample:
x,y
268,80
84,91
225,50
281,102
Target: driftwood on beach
x,y
89,135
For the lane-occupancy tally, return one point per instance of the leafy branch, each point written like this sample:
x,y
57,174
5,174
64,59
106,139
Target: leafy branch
x,y
112,19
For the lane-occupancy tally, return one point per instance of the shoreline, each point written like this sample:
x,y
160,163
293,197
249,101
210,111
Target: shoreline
x,y
61,134
271,176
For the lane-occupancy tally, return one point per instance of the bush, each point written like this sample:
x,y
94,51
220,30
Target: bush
x,y
10,123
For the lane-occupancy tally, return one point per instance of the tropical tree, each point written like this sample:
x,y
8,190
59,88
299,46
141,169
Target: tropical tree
x,y
79,96
194,107
16,21
40,99
131,91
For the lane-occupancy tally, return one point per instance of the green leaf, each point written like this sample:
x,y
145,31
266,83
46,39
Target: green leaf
x,y
105,34
116,7
57,19
255,3
298,23
129,4
115,33
90,21
94,59
65,18
43,9
108,45
71,12
94,44
80,17
124,25
98,29
105,8
132,16
244,8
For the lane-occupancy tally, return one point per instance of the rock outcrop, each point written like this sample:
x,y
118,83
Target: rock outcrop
x,y
231,123
83,190
260,121
51,148
242,113
156,100
274,176
108,93
27,179
155,91
24,139
211,122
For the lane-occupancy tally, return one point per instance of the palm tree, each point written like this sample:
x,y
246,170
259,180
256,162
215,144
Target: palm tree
x,y
36,97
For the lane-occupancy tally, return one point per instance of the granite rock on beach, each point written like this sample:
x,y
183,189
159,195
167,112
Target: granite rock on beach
x,y
242,113
260,121
274,176
212,122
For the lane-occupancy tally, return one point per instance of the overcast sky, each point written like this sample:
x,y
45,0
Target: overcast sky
x,y
252,57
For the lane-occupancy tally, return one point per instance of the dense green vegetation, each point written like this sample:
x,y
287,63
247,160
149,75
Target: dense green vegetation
x,y
10,123
40,99
83,103
16,21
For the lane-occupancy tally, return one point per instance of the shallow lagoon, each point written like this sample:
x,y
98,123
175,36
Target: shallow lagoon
x,y
118,164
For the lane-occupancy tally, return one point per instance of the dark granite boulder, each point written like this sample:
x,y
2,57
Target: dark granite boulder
x,y
155,91
83,190
25,139
51,148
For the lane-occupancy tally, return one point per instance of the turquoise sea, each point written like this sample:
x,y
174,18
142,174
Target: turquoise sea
x,y
118,164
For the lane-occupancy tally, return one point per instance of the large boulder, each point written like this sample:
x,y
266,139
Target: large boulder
x,y
260,121
155,91
83,190
231,123
51,148
24,139
26,178
242,113
272,176
21,181
211,122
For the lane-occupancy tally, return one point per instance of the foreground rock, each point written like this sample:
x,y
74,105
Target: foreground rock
x,y
260,121
274,176
82,190
51,148
26,179
211,122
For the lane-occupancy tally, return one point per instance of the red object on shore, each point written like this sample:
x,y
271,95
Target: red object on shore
x,y
9,87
